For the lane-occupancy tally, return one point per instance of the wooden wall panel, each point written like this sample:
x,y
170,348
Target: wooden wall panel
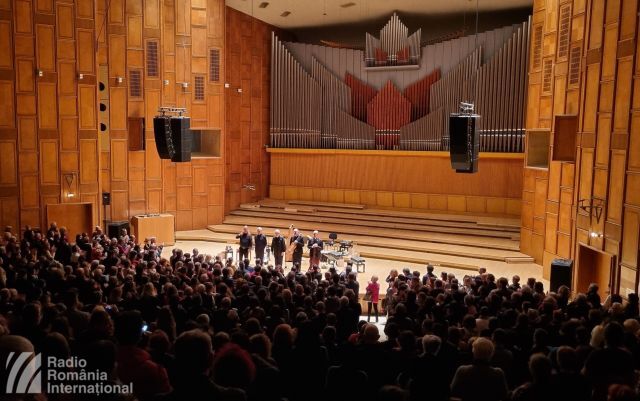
x,y
247,119
53,41
605,94
47,110
496,188
7,111
46,47
49,162
8,163
139,181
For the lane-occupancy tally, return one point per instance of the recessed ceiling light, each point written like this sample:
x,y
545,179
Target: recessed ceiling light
x,y
347,5
285,14
264,4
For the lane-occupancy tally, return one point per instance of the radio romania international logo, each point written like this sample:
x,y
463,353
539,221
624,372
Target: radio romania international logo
x,y
25,373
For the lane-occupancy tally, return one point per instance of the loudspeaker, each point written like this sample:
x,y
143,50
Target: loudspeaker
x,y
561,272
182,138
464,142
164,137
114,228
106,198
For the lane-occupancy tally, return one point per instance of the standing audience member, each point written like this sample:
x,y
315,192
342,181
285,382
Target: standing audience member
x,y
372,297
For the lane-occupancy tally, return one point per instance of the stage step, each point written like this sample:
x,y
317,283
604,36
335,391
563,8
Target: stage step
x,y
349,217
520,259
499,221
285,219
327,204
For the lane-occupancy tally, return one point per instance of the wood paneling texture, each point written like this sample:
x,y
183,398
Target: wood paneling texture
x,y
424,181
180,33
51,122
595,75
248,48
49,145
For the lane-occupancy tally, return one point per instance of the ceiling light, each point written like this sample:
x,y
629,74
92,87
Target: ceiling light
x,y
264,4
347,5
285,14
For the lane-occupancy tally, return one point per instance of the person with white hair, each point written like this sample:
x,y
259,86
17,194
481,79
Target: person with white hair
x,y
480,381
278,247
260,242
315,246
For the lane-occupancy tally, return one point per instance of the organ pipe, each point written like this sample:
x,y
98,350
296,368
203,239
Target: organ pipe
x,y
317,109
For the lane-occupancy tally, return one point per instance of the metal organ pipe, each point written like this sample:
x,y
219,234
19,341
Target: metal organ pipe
x,y
317,109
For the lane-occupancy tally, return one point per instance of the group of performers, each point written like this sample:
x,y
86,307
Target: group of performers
x,y
291,252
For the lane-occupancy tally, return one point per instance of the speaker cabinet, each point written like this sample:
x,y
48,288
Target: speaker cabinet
x,y
182,138
164,137
464,142
561,272
115,228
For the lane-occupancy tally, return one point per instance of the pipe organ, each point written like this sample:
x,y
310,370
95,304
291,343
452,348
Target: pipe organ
x,y
318,105
296,115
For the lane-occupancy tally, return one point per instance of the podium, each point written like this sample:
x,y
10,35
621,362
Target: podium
x,y
161,226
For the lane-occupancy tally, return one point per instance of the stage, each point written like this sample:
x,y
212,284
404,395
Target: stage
x,y
387,238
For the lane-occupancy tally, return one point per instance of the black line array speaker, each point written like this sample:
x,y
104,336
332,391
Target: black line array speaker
x,y
464,142
115,228
106,198
164,137
173,137
561,272
182,138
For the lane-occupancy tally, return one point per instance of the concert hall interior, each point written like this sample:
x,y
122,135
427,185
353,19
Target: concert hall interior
x,y
438,199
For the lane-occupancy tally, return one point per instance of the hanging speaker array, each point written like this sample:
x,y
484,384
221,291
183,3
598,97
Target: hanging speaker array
x,y
173,135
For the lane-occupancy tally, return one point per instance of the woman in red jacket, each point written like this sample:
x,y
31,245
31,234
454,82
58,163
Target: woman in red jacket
x,y
372,296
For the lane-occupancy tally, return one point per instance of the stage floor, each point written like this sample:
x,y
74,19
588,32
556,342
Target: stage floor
x,y
381,267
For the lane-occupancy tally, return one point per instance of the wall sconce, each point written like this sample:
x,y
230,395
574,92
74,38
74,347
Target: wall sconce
x,y
227,85
239,90
80,77
69,178
185,85
40,73
594,235
593,206
165,82
119,80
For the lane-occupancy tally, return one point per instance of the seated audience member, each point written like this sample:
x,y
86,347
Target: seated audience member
x,y
479,381
540,387
428,379
134,363
194,359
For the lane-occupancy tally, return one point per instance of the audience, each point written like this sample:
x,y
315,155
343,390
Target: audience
x,y
195,326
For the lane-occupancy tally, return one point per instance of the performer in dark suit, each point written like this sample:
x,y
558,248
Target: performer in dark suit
x,y
246,242
278,246
315,246
260,241
297,251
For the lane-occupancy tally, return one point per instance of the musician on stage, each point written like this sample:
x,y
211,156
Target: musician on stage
x,y
278,247
297,251
260,241
246,242
315,246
